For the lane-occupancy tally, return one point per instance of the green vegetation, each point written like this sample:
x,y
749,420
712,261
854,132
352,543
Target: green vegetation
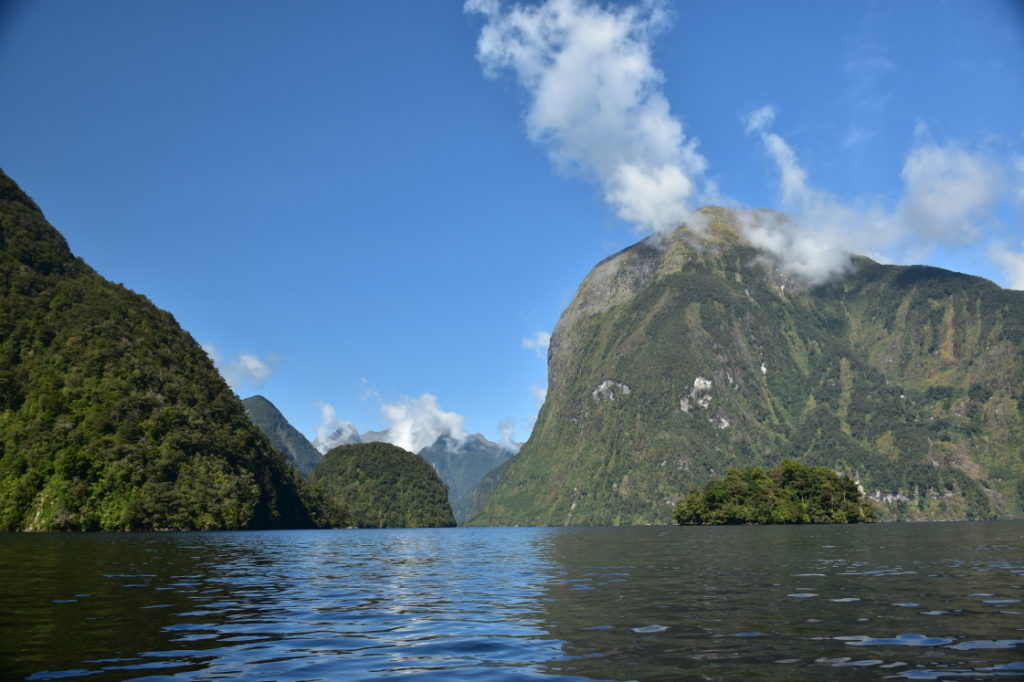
x,y
282,435
462,466
910,378
383,486
789,493
111,416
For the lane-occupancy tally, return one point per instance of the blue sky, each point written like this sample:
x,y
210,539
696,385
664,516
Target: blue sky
x,y
361,205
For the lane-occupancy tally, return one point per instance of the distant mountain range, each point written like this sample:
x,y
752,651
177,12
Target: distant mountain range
x,y
343,435
461,464
682,356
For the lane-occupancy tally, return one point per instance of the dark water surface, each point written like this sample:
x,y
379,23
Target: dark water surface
x,y
903,601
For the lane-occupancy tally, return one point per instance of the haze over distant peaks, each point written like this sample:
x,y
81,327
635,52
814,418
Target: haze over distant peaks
x,y
343,435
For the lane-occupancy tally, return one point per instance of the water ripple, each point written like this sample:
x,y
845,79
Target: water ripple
x,y
517,604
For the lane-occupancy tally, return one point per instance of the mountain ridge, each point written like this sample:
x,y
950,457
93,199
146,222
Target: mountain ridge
x,y
282,435
461,463
684,354
111,416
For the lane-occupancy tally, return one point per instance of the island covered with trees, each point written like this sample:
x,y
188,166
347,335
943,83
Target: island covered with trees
x,y
380,485
788,493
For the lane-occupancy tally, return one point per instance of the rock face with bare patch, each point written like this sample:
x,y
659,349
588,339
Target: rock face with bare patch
x,y
682,356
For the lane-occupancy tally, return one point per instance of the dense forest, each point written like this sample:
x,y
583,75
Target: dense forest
x,y
383,486
788,493
111,416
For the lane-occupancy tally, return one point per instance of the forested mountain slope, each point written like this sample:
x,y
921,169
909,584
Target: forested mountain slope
x,y
111,416
283,436
683,356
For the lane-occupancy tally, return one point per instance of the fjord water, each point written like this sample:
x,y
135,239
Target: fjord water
x,y
903,601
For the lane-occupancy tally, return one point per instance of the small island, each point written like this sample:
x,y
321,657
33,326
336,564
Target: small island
x,y
380,485
789,493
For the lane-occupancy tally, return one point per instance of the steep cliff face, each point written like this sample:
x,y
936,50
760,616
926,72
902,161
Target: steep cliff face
x,y
683,356
111,416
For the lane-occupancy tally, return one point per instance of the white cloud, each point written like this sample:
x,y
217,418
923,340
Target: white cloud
x,y
817,234
865,69
412,424
211,351
761,119
1012,263
508,432
245,371
332,431
948,190
415,423
540,394
538,343
596,103
1018,168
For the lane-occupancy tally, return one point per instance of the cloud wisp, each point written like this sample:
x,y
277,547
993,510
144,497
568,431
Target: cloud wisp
x,y
246,371
415,423
948,193
1012,263
596,103
538,343
507,427
333,431
412,424
817,232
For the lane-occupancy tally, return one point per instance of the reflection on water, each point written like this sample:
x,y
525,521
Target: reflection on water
x,y
911,601
914,601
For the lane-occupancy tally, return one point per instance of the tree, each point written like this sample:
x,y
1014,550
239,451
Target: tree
x,y
789,493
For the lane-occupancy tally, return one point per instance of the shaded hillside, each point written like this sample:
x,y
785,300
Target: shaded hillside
x,y
462,465
283,436
680,358
384,486
111,416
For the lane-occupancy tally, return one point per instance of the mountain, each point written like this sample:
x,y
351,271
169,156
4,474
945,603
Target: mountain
x,y
374,436
384,486
682,356
343,435
462,465
283,436
111,416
